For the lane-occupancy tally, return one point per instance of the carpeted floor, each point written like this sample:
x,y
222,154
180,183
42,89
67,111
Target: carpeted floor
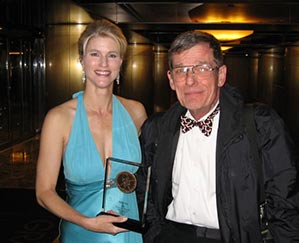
x,y
22,220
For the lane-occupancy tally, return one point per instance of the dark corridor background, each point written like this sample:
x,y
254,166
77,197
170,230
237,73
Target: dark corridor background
x,y
39,69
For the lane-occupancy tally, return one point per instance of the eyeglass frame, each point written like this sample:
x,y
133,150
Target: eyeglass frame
x,y
185,69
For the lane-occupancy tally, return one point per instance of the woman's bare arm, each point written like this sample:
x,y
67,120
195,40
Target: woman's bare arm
x,y
53,140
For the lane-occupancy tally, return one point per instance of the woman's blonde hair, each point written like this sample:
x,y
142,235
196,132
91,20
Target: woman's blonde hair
x,y
103,28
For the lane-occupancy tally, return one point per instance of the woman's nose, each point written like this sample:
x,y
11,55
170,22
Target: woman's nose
x,y
103,61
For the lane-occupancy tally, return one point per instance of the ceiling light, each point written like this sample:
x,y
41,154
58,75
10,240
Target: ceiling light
x,y
225,48
248,13
229,35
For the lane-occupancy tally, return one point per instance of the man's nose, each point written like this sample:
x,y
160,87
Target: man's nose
x,y
190,77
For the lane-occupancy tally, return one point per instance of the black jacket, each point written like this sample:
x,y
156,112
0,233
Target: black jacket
x,y
237,185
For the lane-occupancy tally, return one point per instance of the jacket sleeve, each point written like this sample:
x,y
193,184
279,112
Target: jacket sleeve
x,y
280,173
148,140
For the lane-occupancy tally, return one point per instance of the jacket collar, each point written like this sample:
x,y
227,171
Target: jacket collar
x,y
231,105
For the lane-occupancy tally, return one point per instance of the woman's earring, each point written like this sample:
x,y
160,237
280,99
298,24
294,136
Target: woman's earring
x,y
83,77
117,79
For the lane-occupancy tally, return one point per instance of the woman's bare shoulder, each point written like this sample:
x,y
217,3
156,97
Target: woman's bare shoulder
x,y
63,110
61,116
136,110
131,104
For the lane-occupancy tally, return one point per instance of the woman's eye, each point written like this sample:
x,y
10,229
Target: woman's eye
x,y
113,55
94,54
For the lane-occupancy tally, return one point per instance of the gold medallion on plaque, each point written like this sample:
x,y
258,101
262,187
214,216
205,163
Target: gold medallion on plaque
x,y
126,181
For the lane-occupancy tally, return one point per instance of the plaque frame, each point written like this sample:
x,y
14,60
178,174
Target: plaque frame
x,y
130,224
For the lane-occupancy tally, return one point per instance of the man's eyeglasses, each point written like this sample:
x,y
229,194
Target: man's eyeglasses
x,y
200,70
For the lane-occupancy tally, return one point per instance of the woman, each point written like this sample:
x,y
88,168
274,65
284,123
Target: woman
x,y
84,131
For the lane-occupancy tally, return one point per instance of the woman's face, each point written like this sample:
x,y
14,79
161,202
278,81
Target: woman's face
x,y
101,61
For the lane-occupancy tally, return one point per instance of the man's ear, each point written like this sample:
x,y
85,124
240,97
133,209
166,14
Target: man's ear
x,y
171,82
222,76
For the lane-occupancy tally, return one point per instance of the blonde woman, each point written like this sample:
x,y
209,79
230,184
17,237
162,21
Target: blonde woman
x,y
82,133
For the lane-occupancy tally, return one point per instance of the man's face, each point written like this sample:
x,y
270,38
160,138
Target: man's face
x,y
198,87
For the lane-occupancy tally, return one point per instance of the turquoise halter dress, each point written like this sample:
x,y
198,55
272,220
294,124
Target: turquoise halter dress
x,y
84,174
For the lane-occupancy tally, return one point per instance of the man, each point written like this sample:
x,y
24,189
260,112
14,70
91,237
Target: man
x,y
204,184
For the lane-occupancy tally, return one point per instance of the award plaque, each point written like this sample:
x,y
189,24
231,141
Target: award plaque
x,y
119,195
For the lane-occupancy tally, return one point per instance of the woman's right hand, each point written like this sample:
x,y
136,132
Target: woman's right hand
x,y
104,223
